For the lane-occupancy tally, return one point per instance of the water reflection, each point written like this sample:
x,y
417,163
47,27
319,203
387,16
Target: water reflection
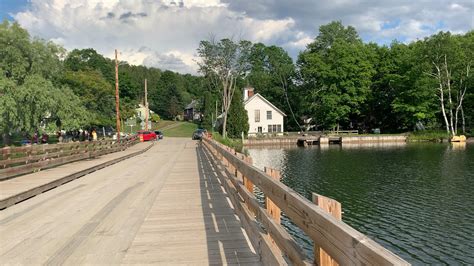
x,y
415,199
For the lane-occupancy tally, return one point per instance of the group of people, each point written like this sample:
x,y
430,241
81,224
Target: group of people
x,y
77,135
35,139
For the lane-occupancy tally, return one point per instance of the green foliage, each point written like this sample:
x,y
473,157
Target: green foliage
x,y
170,96
337,72
26,107
90,60
428,135
237,117
155,118
235,144
224,63
208,111
20,56
272,75
97,95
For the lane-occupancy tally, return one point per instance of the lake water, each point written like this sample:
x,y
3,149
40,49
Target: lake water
x,y
417,200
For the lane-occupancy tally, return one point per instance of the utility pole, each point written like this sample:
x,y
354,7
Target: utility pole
x,y
117,109
146,108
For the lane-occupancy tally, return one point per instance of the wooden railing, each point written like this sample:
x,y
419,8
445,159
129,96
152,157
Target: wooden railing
x,y
27,159
342,243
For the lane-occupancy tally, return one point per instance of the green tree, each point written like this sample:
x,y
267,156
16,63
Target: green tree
x,y
20,56
331,33
36,102
238,118
169,98
337,75
272,73
97,95
208,111
224,62
89,59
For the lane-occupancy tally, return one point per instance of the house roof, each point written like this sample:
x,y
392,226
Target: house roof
x,y
265,100
192,104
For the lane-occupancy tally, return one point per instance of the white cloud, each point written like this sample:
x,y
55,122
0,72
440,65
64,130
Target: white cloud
x,y
166,33
170,30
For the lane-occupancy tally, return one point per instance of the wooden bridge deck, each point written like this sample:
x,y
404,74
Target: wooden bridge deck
x,y
165,206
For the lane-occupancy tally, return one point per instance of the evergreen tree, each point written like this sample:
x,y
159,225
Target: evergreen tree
x,y
207,111
238,118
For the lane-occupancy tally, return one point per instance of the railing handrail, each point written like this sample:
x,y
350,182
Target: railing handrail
x,y
27,159
342,242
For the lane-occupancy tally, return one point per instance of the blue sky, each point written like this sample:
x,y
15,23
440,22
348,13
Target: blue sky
x,y
11,6
166,33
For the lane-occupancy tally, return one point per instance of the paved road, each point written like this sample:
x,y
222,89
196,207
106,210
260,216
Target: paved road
x,y
161,207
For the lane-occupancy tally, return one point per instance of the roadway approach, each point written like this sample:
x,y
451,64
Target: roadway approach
x,y
165,206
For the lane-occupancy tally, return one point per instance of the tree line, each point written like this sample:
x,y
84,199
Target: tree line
x,y
337,81
44,87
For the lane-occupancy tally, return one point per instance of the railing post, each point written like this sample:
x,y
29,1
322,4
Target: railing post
x,y
271,207
247,183
333,207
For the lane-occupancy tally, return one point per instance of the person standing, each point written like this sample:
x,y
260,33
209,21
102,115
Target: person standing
x,y
94,135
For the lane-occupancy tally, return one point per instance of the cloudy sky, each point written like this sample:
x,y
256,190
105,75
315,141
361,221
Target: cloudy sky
x,y
166,33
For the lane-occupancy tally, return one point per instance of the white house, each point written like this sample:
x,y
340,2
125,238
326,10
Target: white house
x,y
264,117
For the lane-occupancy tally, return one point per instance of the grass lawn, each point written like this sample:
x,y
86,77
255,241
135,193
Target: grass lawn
x,y
183,130
163,124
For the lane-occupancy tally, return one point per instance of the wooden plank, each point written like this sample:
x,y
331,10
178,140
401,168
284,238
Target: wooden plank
x,y
332,207
9,201
277,233
259,239
342,242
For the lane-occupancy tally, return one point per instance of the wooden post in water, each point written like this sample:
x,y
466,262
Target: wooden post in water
x,y
333,207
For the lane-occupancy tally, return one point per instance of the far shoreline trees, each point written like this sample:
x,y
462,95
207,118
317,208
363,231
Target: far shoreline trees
x,y
338,80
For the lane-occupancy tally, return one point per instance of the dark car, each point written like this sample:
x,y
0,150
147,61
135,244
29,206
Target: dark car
x,y
146,135
198,134
159,134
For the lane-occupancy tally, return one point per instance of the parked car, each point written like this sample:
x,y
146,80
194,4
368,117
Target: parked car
x,y
159,134
199,133
146,135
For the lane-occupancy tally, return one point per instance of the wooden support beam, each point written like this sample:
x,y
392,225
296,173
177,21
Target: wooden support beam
x,y
332,207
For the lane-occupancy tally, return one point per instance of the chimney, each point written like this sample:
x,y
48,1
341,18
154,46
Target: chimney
x,y
248,92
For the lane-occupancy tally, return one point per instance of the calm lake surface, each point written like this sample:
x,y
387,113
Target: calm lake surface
x,y
417,200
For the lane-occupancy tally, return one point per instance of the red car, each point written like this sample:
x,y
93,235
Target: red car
x,y
146,135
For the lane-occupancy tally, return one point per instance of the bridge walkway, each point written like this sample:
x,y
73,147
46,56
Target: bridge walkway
x,y
165,206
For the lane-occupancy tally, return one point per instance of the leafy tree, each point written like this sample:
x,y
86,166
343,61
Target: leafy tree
x,y
224,62
20,56
337,75
272,73
331,33
28,106
238,118
97,95
89,59
169,98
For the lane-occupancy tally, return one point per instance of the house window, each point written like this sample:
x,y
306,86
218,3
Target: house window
x,y
274,128
269,115
257,115
259,129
